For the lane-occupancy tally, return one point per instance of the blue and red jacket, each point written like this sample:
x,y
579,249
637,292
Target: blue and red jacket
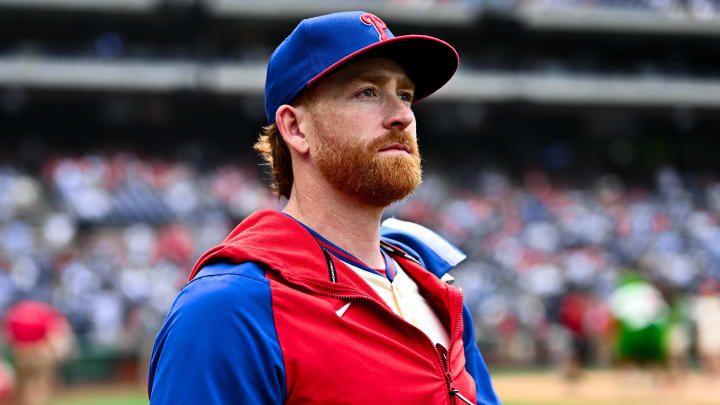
x,y
265,320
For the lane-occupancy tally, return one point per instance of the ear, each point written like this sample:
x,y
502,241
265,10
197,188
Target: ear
x,y
287,119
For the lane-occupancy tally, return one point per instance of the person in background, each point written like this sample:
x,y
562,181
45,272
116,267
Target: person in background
x,y
40,338
573,310
706,313
679,334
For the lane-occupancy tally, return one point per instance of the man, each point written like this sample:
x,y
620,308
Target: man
x,y
311,305
706,313
41,338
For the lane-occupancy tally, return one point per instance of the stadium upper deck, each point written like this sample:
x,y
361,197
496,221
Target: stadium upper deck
x,y
652,53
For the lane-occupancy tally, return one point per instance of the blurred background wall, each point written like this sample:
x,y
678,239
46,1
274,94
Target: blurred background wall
x,y
578,142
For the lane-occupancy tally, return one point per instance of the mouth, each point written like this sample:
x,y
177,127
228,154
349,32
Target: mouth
x,y
395,147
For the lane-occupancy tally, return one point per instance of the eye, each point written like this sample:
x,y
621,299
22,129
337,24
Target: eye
x,y
368,92
406,96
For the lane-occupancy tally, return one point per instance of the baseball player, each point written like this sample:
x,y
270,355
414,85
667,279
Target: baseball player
x,y
41,338
319,303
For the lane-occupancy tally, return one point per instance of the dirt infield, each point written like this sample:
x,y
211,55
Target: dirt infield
x,y
606,388
514,388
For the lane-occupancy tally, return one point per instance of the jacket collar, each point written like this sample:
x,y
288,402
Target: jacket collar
x,y
286,247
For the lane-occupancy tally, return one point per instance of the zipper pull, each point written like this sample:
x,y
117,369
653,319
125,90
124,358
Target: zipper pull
x,y
392,250
443,354
446,367
459,395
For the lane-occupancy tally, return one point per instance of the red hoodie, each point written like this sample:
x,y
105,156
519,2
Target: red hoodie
x,y
367,355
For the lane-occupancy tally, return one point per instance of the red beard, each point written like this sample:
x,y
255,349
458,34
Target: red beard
x,y
359,171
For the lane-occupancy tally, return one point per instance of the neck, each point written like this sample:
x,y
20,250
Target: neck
x,y
353,226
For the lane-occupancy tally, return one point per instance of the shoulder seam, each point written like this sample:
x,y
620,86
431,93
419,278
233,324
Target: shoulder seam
x,y
229,274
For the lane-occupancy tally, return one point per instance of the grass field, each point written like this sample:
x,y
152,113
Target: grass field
x,y
102,395
514,388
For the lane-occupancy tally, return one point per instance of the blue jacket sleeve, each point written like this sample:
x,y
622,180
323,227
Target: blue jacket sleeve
x,y
475,365
219,344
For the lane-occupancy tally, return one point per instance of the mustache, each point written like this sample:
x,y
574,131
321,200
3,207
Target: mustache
x,y
395,136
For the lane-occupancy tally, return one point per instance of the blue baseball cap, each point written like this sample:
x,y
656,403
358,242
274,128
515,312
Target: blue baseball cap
x,y
319,45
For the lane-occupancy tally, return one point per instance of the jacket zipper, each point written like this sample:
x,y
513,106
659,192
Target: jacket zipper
x,y
451,388
452,391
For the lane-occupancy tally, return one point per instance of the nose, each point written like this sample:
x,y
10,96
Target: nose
x,y
399,115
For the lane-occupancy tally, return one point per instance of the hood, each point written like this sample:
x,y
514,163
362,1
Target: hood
x,y
271,238
285,246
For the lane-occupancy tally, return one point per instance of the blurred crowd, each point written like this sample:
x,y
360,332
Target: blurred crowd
x,y
110,238
545,259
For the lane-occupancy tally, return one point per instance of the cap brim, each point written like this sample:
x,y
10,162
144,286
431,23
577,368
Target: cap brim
x,y
428,61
